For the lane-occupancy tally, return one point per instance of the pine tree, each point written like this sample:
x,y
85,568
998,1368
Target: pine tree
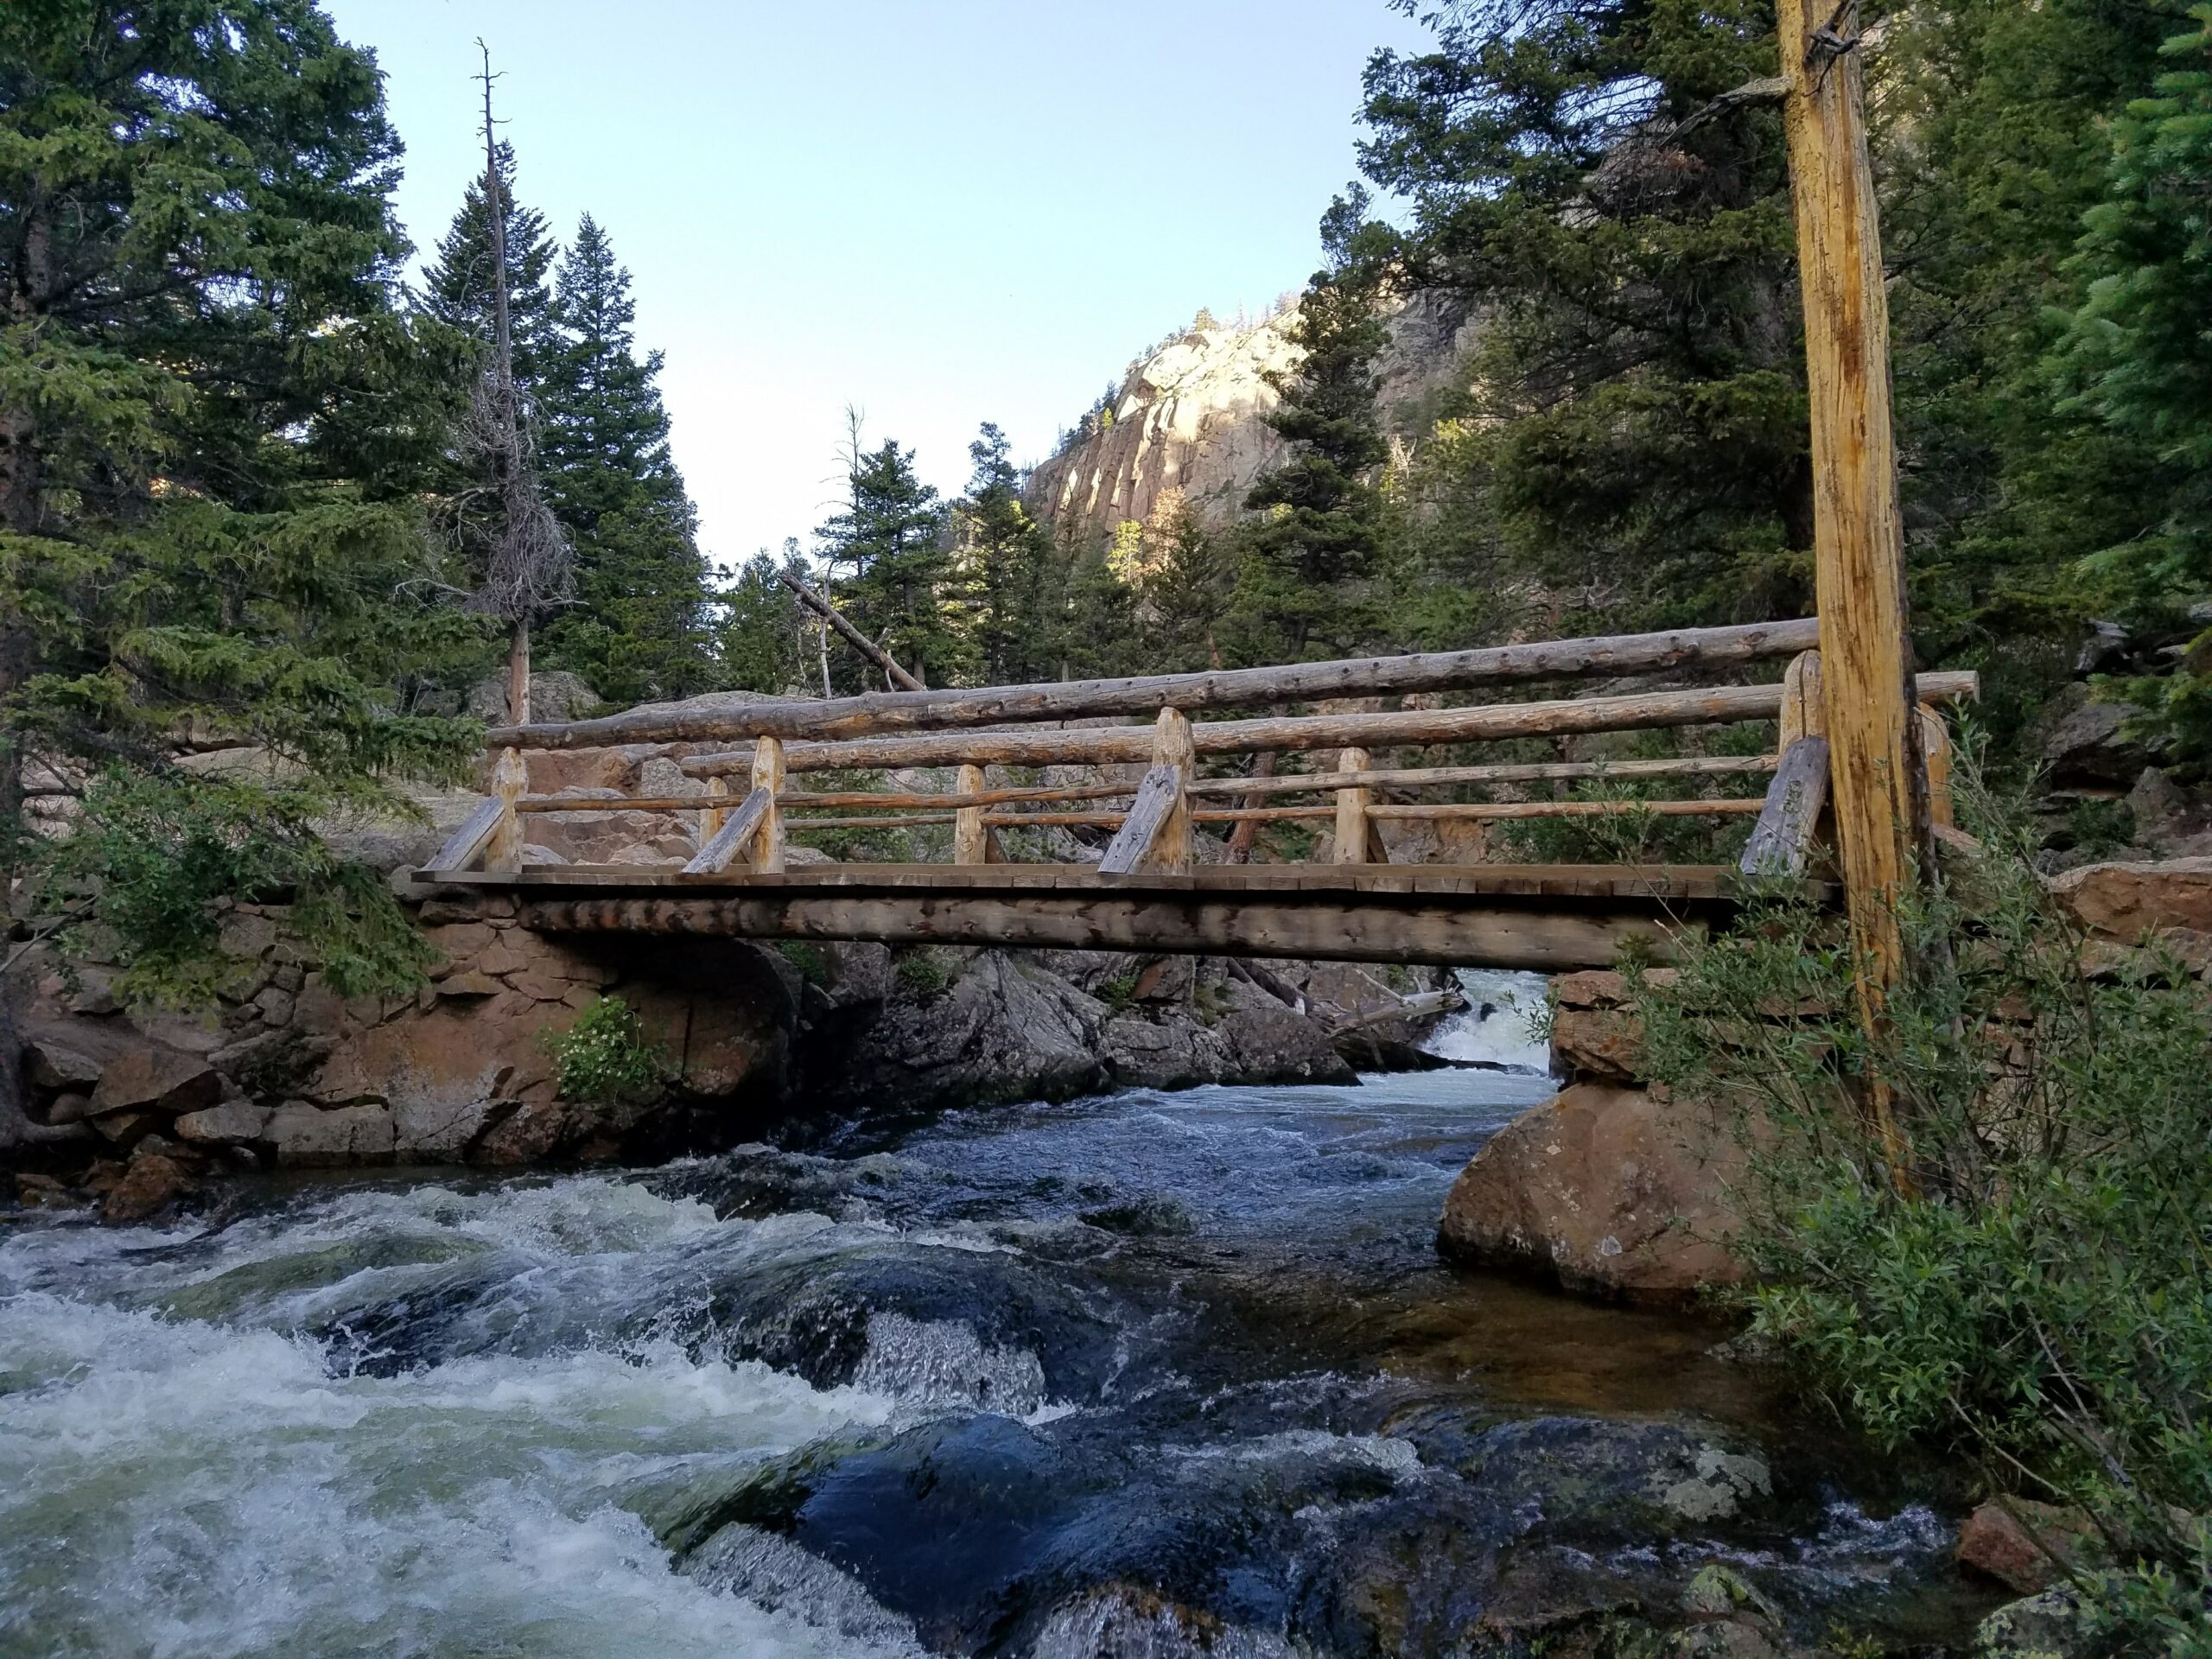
x,y
1007,551
457,287
1639,388
1320,523
640,626
214,421
764,642
888,549
2138,358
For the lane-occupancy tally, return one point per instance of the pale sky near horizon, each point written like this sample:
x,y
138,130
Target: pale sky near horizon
x,y
942,214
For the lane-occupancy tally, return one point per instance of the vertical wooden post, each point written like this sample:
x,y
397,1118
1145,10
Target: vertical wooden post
x,y
1171,747
519,673
711,819
1935,754
1878,796
768,774
1352,811
971,838
1804,713
509,778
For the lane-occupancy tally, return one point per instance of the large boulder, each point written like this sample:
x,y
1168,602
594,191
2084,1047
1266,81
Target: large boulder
x,y
555,695
2166,902
2085,743
155,1079
1609,1191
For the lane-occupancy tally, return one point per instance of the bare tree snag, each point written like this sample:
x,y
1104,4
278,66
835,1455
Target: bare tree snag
x,y
834,618
768,777
1242,838
1878,795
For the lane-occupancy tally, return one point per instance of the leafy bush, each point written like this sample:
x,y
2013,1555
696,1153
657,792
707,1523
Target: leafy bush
x,y
1119,991
2038,1290
607,1059
924,971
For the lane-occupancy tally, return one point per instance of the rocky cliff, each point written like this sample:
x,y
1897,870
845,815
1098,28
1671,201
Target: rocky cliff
x,y
1190,417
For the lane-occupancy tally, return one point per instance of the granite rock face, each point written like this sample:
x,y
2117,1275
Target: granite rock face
x,y
1189,420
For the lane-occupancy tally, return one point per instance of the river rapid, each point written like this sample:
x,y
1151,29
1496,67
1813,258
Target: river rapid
x,y
1146,1374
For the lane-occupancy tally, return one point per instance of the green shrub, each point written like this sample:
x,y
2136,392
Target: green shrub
x,y
1119,991
606,1059
813,967
924,971
2038,1292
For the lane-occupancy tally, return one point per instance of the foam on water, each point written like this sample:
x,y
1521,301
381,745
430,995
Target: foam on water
x,y
176,1486
1493,1029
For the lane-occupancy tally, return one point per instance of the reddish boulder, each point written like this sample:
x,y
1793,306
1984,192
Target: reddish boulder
x,y
151,1183
2130,903
2026,1546
1614,1192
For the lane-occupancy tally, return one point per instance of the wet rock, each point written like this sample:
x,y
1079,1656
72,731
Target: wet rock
x,y
37,1191
143,1079
2027,1546
235,1123
1124,1621
126,1129
529,1134
2052,1624
777,1575
1595,1481
310,1137
150,1184
1610,1190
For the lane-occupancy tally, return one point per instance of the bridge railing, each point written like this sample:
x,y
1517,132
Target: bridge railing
x,y
748,806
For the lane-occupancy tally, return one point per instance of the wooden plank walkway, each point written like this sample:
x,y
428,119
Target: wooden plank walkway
x,y
1548,917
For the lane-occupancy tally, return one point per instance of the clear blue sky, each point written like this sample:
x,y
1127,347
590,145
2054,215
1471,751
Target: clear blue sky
x,y
944,211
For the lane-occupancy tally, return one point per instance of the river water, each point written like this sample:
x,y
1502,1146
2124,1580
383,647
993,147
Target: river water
x,y
1145,1374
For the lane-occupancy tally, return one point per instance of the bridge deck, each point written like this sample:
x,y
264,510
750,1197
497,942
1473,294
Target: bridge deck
x,y
1550,917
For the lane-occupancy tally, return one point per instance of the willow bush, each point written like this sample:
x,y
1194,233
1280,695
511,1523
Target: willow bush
x,y
2035,1292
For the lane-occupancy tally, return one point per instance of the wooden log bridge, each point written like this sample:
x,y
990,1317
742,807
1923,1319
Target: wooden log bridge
x,y
1003,859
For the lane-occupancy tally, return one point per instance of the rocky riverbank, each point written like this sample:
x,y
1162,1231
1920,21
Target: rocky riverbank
x,y
284,1073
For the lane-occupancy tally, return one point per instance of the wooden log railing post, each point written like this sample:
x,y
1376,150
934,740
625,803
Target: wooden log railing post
x,y
509,778
768,774
1351,810
971,837
1935,756
1876,789
712,819
1172,746
1804,713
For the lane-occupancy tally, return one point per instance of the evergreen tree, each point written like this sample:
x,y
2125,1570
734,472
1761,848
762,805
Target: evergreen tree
x,y
765,643
1320,523
640,627
889,549
2139,358
213,422
1007,551
1639,389
457,286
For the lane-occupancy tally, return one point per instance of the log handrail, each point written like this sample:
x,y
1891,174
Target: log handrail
x,y
1484,723
880,713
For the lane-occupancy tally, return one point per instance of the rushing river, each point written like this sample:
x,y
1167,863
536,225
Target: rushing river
x,y
1063,1380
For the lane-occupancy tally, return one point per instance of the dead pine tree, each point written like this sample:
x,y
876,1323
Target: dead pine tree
x,y
527,566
